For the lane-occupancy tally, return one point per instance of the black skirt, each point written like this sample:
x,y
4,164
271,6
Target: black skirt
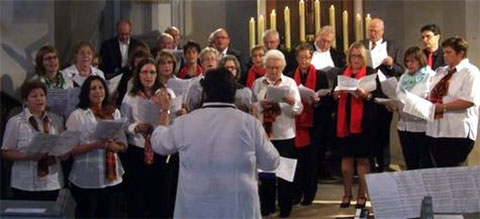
x,y
355,146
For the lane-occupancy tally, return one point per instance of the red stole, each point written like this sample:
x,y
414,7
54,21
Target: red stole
x,y
304,121
356,112
46,161
253,74
183,73
110,160
148,150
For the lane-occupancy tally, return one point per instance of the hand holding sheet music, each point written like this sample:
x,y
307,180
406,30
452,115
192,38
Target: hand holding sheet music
x,y
53,145
308,94
366,83
109,129
277,94
286,169
417,106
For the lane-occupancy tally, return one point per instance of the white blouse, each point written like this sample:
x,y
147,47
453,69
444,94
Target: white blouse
x,y
410,123
88,169
464,85
18,134
284,125
72,75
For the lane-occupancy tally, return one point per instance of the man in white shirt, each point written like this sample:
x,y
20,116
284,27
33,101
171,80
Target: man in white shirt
x,y
456,95
114,52
324,56
221,148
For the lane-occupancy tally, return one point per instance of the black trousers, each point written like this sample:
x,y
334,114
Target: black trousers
x,y
148,187
95,203
450,152
382,145
284,189
37,196
306,175
415,150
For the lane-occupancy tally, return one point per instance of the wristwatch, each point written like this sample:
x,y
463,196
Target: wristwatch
x,y
167,111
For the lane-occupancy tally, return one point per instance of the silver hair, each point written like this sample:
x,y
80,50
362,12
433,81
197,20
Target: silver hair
x,y
274,54
326,29
208,50
270,32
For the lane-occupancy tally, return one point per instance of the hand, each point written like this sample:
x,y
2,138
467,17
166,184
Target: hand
x,y
162,99
316,99
388,61
289,100
100,144
254,111
114,146
181,112
336,94
391,107
439,108
266,104
361,93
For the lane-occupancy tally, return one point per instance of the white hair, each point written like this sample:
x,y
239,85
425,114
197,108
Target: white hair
x,y
274,54
271,32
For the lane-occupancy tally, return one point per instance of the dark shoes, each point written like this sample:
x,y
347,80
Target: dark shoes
x,y
346,201
361,201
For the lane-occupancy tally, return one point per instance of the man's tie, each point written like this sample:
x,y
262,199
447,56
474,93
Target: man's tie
x,y
373,45
430,59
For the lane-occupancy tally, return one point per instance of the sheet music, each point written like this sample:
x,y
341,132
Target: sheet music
x,y
417,106
276,94
346,83
368,83
286,168
399,194
323,92
112,84
63,101
179,86
147,111
109,129
389,87
176,104
307,94
378,54
54,145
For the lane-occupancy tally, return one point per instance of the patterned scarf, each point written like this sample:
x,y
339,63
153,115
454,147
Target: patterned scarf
x,y
410,80
58,82
148,150
441,89
254,73
106,113
356,114
45,161
304,121
270,114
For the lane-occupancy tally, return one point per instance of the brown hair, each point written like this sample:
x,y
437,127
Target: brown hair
x,y
258,47
234,60
30,85
79,46
39,69
417,54
164,55
458,44
303,46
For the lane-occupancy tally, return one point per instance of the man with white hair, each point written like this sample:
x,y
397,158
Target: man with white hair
x,y
278,120
324,56
271,40
164,41
175,33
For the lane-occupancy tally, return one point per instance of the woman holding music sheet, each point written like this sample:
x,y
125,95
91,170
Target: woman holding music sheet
x,y
96,171
279,122
411,130
456,95
149,175
355,123
47,67
33,176
76,74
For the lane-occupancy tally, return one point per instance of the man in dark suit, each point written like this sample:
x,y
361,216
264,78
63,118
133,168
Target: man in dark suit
x,y
271,40
115,52
221,42
391,67
175,33
324,56
430,36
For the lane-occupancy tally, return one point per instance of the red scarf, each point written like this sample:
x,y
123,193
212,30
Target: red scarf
x,y
254,73
356,112
110,160
183,73
46,161
304,121
148,150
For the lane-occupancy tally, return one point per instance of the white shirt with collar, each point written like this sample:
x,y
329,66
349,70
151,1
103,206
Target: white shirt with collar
x,y
377,54
124,51
88,169
284,125
18,134
410,123
464,85
72,75
322,59
220,148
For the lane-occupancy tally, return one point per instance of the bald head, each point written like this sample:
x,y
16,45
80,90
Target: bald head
x,y
376,30
221,40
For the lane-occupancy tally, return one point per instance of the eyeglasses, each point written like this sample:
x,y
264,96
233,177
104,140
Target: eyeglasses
x,y
47,58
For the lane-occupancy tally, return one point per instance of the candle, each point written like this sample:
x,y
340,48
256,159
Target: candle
x,y
367,24
252,32
358,28
301,13
332,23
273,20
345,30
287,28
317,16
261,25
